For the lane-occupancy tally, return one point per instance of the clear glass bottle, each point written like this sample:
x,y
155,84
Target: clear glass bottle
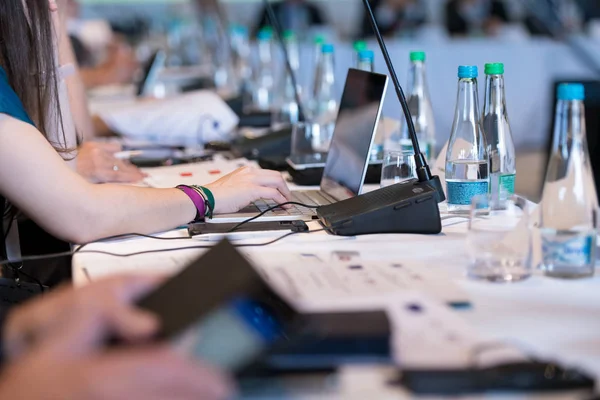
x,y
421,111
325,99
501,147
264,81
358,46
467,162
569,206
366,61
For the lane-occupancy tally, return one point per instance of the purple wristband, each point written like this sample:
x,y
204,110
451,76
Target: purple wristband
x,y
197,200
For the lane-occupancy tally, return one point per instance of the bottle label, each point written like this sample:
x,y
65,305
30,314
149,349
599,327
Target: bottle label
x,y
507,182
462,192
568,249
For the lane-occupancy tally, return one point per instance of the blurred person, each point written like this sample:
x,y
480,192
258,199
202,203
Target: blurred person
x,y
555,17
54,347
295,15
475,17
119,65
395,17
45,189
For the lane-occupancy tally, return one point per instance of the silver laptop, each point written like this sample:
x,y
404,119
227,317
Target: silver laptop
x,y
348,156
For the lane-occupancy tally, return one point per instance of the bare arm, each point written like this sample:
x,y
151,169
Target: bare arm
x,y
34,178
76,88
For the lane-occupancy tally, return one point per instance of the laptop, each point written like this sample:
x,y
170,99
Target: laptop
x,y
152,69
348,156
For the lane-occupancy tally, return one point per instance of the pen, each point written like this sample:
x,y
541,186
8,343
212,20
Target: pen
x,y
125,155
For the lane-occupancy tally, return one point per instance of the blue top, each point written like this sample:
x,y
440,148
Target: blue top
x,y
366,55
327,49
571,91
10,103
467,71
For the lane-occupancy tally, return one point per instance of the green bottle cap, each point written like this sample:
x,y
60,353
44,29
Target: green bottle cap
x,y
360,45
319,39
289,35
417,56
494,69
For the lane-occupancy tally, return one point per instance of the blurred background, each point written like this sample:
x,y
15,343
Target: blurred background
x,y
541,42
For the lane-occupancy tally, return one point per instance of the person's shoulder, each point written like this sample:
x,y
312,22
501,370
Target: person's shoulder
x,y
10,103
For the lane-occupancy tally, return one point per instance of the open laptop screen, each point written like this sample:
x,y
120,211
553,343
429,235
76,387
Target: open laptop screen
x,y
355,127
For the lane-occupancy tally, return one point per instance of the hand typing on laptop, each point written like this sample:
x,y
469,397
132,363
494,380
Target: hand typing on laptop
x,y
245,185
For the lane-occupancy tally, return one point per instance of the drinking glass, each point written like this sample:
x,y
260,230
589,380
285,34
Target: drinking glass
x,y
499,239
398,166
285,115
302,137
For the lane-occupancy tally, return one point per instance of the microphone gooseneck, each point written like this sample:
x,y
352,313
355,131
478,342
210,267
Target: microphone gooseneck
x,y
288,65
423,172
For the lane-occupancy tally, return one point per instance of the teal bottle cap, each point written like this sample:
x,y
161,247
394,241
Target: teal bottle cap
x,y
366,55
319,39
327,48
494,69
265,33
571,91
359,45
417,56
468,71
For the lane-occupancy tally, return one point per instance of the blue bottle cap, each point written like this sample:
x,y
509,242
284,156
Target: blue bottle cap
x,y
366,55
327,48
571,91
468,71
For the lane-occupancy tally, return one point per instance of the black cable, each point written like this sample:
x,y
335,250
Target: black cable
x,y
125,235
108,253
238,226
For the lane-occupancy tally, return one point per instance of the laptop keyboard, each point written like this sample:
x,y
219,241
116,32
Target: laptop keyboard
x,y
309,197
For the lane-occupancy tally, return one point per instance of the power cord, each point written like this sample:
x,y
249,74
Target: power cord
x,y
108,253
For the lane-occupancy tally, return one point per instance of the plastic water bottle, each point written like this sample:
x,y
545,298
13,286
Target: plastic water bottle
x,y
325,98
241,53
420,108
264,80
366,61
569,204
501,148
287,105
467,166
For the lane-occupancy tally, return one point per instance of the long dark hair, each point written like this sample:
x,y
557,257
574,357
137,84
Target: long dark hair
x,y
27,54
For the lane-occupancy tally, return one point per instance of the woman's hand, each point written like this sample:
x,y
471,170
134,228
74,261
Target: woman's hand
x,y
245,185
97,164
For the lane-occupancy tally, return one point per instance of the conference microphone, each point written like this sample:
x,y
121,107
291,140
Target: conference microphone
x,y
407,207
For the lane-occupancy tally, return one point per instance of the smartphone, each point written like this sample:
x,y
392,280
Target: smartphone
x,y
220,310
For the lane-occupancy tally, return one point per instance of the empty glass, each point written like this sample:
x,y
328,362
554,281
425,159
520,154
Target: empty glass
x,y
309,138
398,166
499,239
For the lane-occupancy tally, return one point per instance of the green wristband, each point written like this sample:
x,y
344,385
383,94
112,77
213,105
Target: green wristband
x,y
210,197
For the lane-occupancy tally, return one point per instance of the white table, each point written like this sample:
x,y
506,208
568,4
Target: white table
x,y
555,318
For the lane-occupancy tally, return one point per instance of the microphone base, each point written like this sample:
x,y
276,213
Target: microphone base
x,y
435,183
408,207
